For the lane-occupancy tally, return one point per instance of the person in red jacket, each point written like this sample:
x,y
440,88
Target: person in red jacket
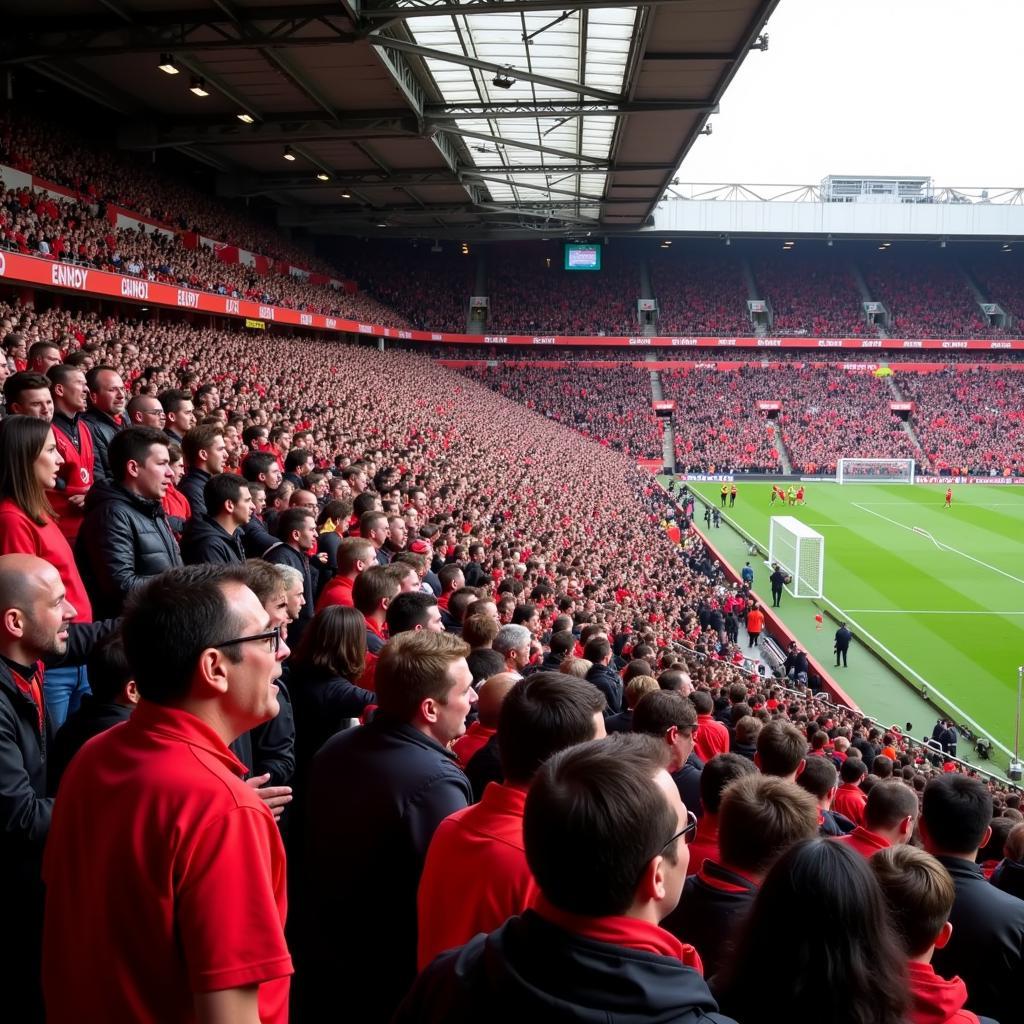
x,y
475,876
919,893
29,464
710,737
889,818
74,441
850,799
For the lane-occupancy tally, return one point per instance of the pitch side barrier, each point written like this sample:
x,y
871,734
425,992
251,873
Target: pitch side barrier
x,y
928,747
67,276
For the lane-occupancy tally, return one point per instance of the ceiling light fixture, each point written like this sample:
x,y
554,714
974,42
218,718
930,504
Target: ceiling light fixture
x,y
288,154
198,87
167,65
245,118
346,195
323,177
503,80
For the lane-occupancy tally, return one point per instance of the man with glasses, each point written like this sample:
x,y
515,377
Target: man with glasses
x,y
146,411
156,812
606,839
670,717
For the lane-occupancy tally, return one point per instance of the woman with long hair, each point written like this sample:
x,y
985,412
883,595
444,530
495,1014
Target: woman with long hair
x,y
331,655
849,969
29,461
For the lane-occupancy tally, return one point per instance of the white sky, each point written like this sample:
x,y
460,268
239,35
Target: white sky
x,y
932,87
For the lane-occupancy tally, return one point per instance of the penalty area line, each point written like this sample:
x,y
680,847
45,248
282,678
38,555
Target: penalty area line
x,y
939,544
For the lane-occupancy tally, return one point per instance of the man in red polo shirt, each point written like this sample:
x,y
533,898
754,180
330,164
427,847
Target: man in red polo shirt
x,y
165,873
475,875
850,798
354,555
889,818
710,737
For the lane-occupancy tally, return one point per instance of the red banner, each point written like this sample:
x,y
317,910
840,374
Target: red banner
x,y
769,406
664,405
17,268
225,253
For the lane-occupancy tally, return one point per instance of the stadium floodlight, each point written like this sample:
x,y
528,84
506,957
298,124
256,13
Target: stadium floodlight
x,y
502,80
800,552
875,471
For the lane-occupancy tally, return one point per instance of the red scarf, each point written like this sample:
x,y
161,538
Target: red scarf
x,y
623,931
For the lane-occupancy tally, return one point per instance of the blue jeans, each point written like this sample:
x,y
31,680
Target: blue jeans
x,y
62,690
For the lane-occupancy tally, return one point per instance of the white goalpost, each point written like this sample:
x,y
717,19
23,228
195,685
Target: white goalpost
x,y
800,552
875,471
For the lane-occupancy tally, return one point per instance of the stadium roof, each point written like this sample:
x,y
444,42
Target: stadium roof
x,y
470,118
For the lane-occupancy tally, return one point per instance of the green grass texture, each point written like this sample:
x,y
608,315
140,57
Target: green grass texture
x,y
948,605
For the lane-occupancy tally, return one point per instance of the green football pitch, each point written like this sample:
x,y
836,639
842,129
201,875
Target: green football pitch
x,y
946,606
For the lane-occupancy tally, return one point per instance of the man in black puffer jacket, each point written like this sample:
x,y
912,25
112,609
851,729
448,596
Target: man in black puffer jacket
x,y
124,539
105,415
217,536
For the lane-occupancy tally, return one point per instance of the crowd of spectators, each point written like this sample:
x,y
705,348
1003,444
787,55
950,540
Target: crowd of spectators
x,y
813,295
969,422
926,298
1000,280
550,551
702,297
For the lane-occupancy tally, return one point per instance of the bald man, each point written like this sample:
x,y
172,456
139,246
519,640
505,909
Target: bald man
x,y
492,692
35,628
475,875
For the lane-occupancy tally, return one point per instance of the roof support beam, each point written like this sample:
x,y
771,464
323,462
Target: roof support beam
x,y
497,141
389,42
514,183
392,12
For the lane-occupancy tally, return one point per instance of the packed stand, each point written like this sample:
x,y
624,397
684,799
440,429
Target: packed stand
x,y
926,298
969,422
699,295
718,428
452,599
531,293
1000,280
814,295
829,414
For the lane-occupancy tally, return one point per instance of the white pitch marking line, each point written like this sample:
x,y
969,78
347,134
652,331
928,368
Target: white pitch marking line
x,y
947,547
923,611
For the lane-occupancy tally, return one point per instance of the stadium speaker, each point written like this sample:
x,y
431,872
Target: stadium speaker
x,y
1016,771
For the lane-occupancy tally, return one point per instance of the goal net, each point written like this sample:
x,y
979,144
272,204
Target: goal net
x,y
875,471
800,552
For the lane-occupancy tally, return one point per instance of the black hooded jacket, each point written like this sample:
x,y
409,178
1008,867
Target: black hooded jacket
x,y
532,970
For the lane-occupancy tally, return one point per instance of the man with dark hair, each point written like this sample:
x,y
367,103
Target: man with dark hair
x,y
598,651
156,811
42,355
298,463
987,945
716,775
781,748
451,579
712,736
74,443
105,414
476,875
671,718
180,413
125,539
36,626
111,701
760,818
296,534
473,569
262,467
889,817
560,646
413,611
216,537
821,780
28,394
381,828
373,526
205,451
592,943
850,799
453,615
